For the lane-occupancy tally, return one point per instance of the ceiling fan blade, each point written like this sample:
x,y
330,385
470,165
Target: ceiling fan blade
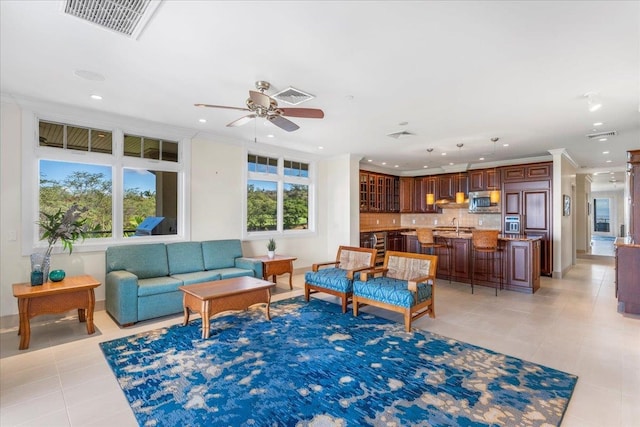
x,y
283,123
260,99
222,106
242,120
309,113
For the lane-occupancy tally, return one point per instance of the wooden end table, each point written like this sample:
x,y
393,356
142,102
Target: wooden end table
x,y
279,264
55,297
217,296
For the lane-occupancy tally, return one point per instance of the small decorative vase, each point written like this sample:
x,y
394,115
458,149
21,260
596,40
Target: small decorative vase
x,y
56,275
271,254
39,268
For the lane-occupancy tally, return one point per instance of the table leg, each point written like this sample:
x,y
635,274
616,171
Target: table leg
x,y
266,310
25,327
290,284
206,321
185,322
89,312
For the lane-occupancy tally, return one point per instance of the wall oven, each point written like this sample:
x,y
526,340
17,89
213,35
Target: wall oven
x,y
512,224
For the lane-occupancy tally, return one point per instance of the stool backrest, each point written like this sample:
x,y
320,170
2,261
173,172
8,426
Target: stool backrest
x,y
425,235
485,239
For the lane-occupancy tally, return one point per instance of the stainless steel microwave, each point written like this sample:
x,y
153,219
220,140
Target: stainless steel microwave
x,y
484,201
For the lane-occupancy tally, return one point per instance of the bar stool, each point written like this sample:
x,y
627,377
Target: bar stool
x,y
428,241
485,242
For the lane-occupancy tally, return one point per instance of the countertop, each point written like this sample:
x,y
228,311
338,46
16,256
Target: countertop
x,y
626,241
464,233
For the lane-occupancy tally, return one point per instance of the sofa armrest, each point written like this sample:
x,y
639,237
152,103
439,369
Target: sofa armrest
x,y
121,296
372,272
413,283
250,264
316,267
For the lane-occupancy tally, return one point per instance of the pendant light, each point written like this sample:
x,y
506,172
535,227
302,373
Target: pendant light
x,y
459,194
430,198
494,194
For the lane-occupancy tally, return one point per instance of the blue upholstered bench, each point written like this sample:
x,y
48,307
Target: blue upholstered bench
x,y
336,277
405,284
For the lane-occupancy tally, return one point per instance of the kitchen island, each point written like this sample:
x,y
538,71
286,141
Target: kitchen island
x,y
520,258
627,274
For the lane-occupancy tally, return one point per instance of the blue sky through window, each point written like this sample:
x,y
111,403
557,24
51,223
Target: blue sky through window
x,y
141,179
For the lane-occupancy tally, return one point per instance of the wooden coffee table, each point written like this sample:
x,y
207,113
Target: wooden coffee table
x,y
55,297
279,264
210,298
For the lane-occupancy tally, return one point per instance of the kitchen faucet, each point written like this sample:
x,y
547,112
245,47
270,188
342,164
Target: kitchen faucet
x,y
455,222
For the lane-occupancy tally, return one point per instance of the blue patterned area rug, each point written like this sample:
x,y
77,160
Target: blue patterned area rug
x,y
311,365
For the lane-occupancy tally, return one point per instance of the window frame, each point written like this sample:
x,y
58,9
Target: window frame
x,y
32,153
280,179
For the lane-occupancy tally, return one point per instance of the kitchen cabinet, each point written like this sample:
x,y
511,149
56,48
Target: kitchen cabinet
x,y
395,241
484,179
532,172
522,266
633,168
531,200
450,184
406,194
423,186
627,273
411,244
379,192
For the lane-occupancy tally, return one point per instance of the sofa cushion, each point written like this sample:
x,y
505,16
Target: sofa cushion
x,y
197,277
391,291
228,273
185,257
145,261
330,278
157,285
221,253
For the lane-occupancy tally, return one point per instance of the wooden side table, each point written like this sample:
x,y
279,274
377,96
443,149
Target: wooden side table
x,y
279,264
55,297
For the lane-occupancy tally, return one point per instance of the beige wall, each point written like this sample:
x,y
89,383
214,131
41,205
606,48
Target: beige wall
x,y
216,198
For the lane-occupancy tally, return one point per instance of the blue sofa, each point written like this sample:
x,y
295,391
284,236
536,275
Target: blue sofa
x,y
142,280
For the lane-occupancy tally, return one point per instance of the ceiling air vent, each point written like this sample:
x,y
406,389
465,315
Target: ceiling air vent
x,y
401,134
292,96
127,17
602,134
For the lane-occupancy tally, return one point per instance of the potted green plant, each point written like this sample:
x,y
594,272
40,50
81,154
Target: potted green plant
x,y
67,226
271,248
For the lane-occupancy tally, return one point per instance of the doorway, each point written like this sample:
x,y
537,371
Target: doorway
x,y
602,239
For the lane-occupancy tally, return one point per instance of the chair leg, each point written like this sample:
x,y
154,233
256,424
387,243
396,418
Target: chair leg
x,y
344,304
407,320
306,292
354,303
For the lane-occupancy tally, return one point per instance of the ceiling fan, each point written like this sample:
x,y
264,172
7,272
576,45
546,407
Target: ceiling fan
x,y
262,105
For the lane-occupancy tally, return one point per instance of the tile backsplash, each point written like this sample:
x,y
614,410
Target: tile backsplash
x,y
480,221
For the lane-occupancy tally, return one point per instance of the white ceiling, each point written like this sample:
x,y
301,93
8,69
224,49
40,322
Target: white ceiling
x,y
457,72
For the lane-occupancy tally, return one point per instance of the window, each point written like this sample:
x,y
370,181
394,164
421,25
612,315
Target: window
x,y
601,219
279,195
131,184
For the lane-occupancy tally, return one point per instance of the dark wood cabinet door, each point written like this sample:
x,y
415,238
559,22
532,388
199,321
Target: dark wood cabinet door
x,y
419,195
406,195
519,266
460,184
512,202
541,171
513,173
446,188
535,210
429,185
461,253
477,180
493,179
411,244
395,241
364,192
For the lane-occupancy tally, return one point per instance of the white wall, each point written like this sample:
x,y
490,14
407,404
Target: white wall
x,y
564,175
583,218
216,197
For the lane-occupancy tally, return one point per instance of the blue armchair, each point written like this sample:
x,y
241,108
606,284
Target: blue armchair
x,y
336,277
404,284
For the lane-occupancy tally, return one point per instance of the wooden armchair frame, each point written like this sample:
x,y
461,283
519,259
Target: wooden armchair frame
x,y
345,297
417,310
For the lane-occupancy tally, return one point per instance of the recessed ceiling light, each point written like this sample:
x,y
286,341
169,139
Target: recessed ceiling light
x,y
602,139
425,166
444,154
612,173
370,160
481,158
598,124
605,152
505,145
203,120
608,161
270,135
384,163
395,166
96,97
320,147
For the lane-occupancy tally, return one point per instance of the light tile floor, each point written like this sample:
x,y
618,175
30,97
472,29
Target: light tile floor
x,y
570,324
